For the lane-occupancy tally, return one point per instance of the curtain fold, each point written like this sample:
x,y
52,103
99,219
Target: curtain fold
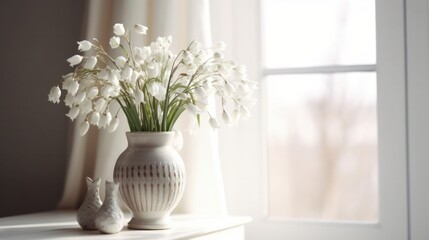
x,y
95,154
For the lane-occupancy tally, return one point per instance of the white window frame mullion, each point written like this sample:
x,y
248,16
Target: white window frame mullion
x,y
321,69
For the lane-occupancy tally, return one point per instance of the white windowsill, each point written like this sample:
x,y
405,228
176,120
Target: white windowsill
x,y
62,225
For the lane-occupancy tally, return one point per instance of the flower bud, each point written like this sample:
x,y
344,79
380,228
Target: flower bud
x,y
113,125
213,123
84,126
92,92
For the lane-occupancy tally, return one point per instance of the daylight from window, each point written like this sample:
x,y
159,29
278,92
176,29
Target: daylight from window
x,y
321,128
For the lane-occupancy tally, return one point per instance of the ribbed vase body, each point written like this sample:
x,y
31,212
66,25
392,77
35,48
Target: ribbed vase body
x,y
151,177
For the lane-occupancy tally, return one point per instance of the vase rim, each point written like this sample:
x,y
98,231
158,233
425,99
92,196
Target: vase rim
x,y
149,133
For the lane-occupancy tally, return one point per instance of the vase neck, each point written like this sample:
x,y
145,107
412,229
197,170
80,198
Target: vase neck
x,y
149,139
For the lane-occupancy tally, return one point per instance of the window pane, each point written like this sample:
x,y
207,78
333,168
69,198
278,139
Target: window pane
x,y
322,146
299,33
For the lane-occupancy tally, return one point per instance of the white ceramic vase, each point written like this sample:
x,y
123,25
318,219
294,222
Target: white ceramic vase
x,y
110,218
151,175
87,211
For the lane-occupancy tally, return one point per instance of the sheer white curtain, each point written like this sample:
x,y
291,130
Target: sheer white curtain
x,y
95,154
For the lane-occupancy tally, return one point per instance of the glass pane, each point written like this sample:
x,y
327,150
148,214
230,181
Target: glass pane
x,y
322,146
299,33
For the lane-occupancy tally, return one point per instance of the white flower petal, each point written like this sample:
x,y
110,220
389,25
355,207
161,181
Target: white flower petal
x,y
106,91
76,59
226,118
73,113
84,126
73,87
140,29
95,118
120,61
79,97
54,95
84,45
114,42
139,96
213,123
68,100
127,73
119,29
193,109
85,106
113,125
92,92
99,105
90,62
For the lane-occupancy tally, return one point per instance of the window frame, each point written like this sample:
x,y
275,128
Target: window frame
x,y
392,124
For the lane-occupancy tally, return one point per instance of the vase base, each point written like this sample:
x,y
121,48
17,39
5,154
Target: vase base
x,y
149,224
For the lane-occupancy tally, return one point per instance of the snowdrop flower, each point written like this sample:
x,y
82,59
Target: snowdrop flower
x,y
226,118
114,42
213,123
113,77
90,62
139,96
153,89
76,59
68,100
188,58
85,106
92,92
66,83
103,74
106,90
105,119
195,47
235,116
201,93
127,73
193,109
84,126
73,87
79,97
54,95
160,96
84,45
113,125
95,118
152,70
73,113
217,56
99,105
140,29
120,61
134,77
118,29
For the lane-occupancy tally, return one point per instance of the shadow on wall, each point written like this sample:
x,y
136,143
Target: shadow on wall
x,y
36,39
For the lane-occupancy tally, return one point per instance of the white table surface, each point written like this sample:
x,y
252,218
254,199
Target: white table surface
x,y
63,225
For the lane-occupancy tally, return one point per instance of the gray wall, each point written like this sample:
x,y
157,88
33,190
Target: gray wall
x,y
36,38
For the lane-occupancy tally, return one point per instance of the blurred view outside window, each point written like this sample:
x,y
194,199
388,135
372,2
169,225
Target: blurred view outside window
x,y
320,101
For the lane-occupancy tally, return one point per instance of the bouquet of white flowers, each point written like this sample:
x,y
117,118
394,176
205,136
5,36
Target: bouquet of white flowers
x,y
152,85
